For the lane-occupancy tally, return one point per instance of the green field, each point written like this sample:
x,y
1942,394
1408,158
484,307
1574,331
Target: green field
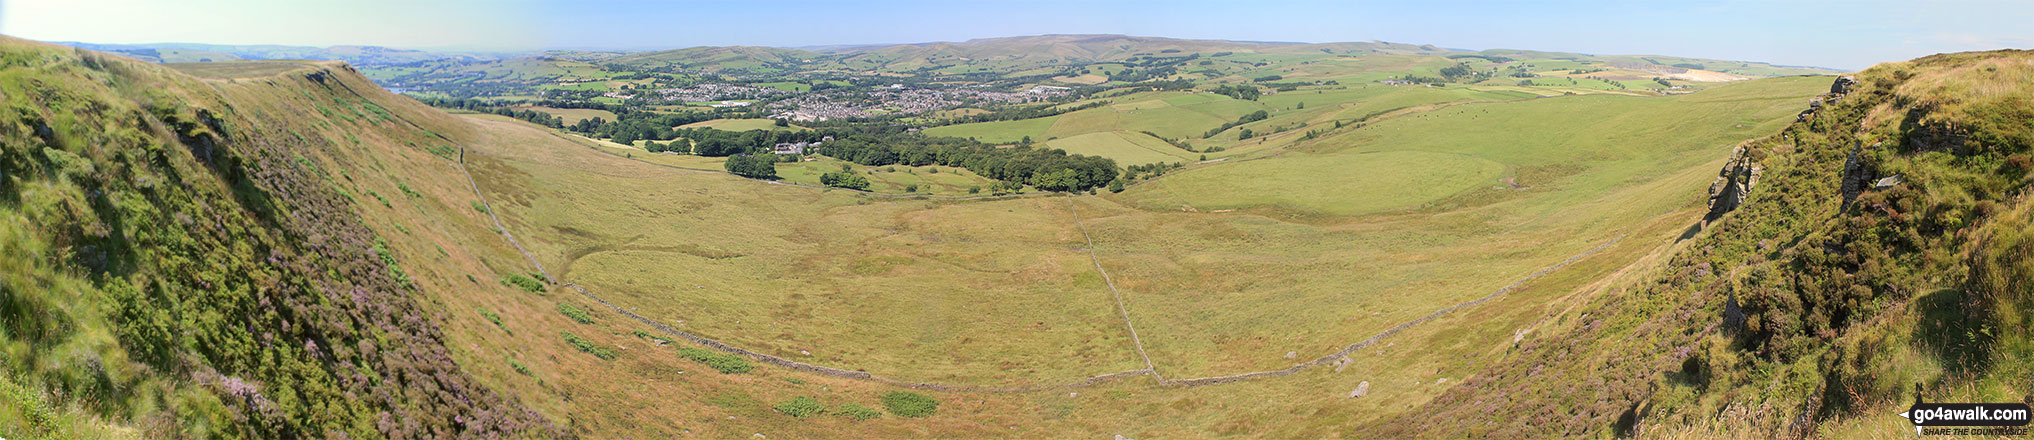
x,y
1347,185
1126,148
1601,141
938,180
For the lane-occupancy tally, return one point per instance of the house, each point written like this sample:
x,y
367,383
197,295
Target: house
x,y
1048,90
790,148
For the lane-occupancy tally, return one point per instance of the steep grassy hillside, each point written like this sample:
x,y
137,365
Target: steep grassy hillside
x,y
1881,255
199,258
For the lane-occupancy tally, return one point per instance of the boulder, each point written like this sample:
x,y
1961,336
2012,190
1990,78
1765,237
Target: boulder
x,y
1842,85
1361,390
1887,182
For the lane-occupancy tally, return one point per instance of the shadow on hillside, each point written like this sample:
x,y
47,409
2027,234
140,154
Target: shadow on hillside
x,y
1690,232
1961,344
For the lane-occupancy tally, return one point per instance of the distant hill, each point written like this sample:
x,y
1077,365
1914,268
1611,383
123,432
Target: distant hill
x,y
717,58
196,52
999,55
1015,54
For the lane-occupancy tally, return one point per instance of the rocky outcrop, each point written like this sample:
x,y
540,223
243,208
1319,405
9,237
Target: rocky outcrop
x,y
1741,174
1856,176
1733,314
1837,90
1733,183
1842,85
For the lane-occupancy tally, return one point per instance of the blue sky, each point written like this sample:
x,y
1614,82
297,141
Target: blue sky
x,y
1840,34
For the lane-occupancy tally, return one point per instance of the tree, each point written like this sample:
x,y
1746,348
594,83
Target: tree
x,y
1061,180
845,179
782,122
752,166
1116,186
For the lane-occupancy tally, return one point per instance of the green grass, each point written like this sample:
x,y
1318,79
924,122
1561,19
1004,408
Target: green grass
x,y
588,347
1002,292
932,179
577,314
1346,184
801,407
574,115
786,86
525,283
909,404
999,131
725,363
745,262
856,411
1126,148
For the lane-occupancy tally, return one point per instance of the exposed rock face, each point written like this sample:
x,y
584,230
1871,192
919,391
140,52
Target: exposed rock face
x,y
1733,314
1837,89
1856,176
1732,184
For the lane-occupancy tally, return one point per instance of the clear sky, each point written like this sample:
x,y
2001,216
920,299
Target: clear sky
x,y
1839,34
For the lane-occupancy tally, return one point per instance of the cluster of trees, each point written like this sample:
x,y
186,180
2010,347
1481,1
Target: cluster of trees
x,y
1491,58
630,126
1152,61
876,146
680,146
1249,118
1243,92
1150,170
1174,142
1463,73
846,178
711,142
753,166
1140,74
535,117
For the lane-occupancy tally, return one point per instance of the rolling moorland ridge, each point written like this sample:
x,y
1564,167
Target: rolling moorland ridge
x,y
1056,236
